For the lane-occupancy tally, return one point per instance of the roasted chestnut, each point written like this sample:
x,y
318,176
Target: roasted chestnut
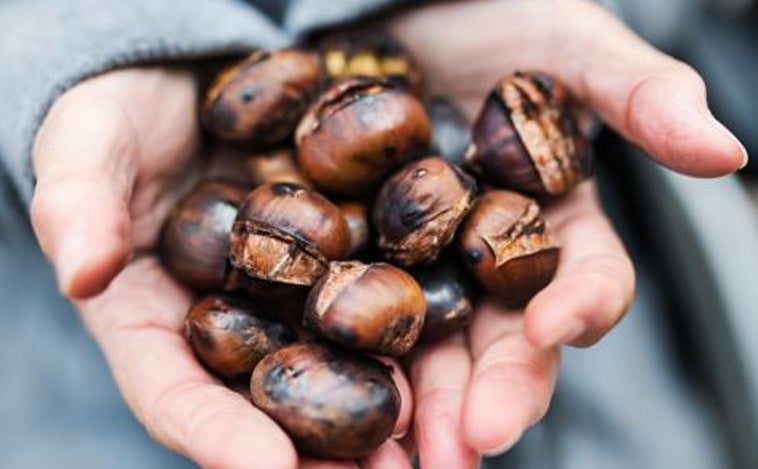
x,y
451,133
261,99
508,247
331,403
526,137
287,233
376,308
357,131
419,208
356,216
230,335
448,294
275,166
195,239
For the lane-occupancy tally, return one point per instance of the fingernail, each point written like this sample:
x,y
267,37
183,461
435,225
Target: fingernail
x,y
400,434
744,158
73,246
498,450
566,332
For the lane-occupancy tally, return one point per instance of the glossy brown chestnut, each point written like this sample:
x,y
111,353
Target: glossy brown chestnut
x,y
376,308
356,216
195,240
451,133
508,247
526,137
230,335
261,99
419,208
448,294
333,404
357,131
275,166
287,233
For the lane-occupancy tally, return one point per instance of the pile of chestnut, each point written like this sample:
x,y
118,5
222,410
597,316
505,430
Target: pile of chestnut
x,y
362,218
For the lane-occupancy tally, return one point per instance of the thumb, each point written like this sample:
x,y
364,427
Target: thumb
x,y
84,163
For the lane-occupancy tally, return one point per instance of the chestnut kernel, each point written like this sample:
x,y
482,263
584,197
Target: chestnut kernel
x,y
332,404
376,308
451,133
526,137
419,208
358,131
508,247
275,166
230,335
287,233
261,99
195,239
356,216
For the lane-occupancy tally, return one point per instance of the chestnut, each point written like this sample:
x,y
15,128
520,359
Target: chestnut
x,y
526,137
357,131
195,240
261,99
332,404
376,308
419,208
286,233
508,247
448,294
230,335
356,216
275,166
451,133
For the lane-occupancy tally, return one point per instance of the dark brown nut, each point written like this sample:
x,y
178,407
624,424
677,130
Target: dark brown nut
x,y
356,216
227,162
358,131
451,133
287,233
374,54
333,404
508,246
275,166
419,208
448,294
195,240
526,137
230,335
261,99
376,308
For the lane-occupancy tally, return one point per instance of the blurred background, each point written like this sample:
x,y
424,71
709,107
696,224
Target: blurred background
x,y
695,244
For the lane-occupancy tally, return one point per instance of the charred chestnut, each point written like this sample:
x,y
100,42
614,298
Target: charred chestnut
x,y
451,133
275,166
331,403
448,293
262,98
508,247
526,137
419,208
357,131
376,308
230,335
356,216
195,240
287,233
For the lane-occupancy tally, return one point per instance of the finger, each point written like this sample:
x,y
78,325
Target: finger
x,y
388,455
440,375
308,463
405,416
84,164
511,383
137,322
594,285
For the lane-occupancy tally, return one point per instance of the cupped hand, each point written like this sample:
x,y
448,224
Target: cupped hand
x,y
477,394
111,158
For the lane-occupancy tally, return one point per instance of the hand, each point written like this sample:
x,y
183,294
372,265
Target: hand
x,y
111,158
477,396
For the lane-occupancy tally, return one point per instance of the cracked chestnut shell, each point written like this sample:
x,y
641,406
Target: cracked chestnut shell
x,y
448,293
195,240
332,404
356,215
451,132
357,131
419,208
526,137
261,99
230,335
376,308
275,166
286,233
508,247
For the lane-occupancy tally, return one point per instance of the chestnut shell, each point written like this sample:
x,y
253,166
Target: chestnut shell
x,y
356,215
275,166
451,132
332,404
